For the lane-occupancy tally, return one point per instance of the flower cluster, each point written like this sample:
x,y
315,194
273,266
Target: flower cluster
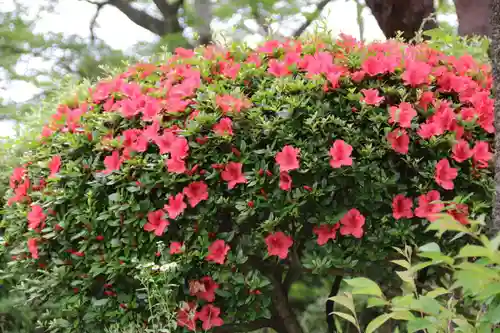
x,y
244,159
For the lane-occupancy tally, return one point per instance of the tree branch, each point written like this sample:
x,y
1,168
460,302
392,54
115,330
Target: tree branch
x,y
140,17
245,327
294,272
310,19
169,10
93,21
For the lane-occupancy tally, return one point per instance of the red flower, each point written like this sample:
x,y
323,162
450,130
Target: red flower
x,y
428,207
175,206
429,129
401,207
165,142
341,154
399,140
278,68
371,97
278,244
175,248
481,154
352,223
224,127
416,73
54,165
217,252
203,289
444,174
285,181
156,222
461,151
196,192
112,162
460,213
287,158
209,315
99,238
186,316
32,247
402,114
233,174
36,217
175,165
326,232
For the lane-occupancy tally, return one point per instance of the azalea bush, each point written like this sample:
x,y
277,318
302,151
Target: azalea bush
x,y
462,296
256,168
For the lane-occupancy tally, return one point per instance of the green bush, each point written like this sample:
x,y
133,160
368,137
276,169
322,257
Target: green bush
x,y
463,296
254,168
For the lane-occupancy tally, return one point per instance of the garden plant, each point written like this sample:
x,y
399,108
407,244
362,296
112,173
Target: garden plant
x,y
233,173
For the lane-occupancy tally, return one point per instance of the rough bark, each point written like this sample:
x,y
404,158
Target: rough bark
x,y
495,59
473,17
406,16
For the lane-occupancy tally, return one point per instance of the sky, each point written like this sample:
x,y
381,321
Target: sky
x,y
72,17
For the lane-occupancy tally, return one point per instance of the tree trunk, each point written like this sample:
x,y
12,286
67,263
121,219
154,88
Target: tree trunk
x,y
495,59
473,17
284,311
406,16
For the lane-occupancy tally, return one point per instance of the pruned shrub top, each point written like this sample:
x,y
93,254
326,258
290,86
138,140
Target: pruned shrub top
x,y
250,167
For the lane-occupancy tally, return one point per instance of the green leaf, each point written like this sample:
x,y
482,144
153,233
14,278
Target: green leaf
x,y
374,302
446,223
426,304
346,301
474,251
364,286
349,318
402,263
377,322
430,247
419,324
437,292
100,302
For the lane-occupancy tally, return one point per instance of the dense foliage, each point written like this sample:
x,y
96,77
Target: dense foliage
x,y
239,172
462,296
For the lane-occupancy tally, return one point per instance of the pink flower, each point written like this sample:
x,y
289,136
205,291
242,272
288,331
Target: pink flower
x,y
371,97
175,165
287,158
33,248
326,232
428,207
461,151
341,154
217,252
402,114
224,127
285,181
203,289
481,154
352,223
209,315
54,165
36,217
399,140
444,174
175,248
278,68
401,207
175,206
278,244
233,174
196,192
112,163
156,222
186,316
